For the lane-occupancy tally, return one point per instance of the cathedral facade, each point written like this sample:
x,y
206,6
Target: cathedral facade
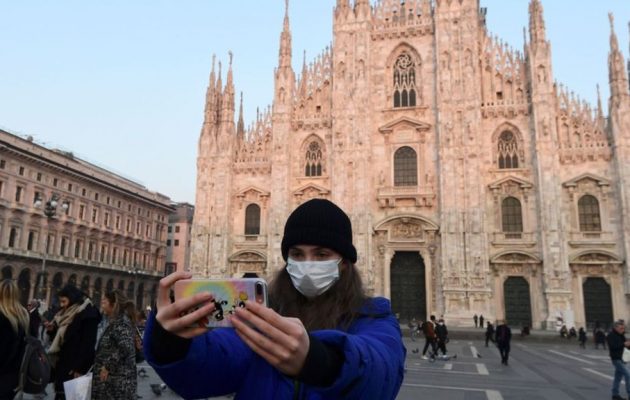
x,y
475,184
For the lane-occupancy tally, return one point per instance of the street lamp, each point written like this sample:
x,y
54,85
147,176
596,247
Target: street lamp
x,y
50,210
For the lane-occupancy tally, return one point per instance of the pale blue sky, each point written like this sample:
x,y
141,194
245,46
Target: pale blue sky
x,y
122,83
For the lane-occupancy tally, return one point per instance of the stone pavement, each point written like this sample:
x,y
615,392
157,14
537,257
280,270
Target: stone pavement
x,y
144,388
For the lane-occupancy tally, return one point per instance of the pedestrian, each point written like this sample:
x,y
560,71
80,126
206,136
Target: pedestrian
x,y
489,333
430,338
114,374
572,333
564,333
503,336
616,343
441,333
73,337
321,337
475,319
13,328
481,321
600,337
35,320
582,337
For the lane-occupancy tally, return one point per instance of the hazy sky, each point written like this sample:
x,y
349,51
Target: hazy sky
x,y
122,83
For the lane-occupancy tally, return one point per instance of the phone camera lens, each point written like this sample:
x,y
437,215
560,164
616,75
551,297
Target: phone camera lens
x,y
259,288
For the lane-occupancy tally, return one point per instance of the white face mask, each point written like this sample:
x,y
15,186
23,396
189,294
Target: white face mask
x,y
312,278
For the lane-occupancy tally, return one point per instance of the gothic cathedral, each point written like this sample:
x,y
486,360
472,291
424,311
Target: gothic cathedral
x,y
475,184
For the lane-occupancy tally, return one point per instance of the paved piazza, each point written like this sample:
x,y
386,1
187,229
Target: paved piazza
x,y
551,370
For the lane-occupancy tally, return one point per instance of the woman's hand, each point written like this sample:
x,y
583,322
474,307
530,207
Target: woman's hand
x,y
282,341
171,315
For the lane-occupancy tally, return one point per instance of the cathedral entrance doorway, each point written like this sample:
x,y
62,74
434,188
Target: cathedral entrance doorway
x,y
408,289
518,310
597,302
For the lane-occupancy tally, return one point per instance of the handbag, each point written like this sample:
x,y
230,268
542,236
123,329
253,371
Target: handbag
x,y
79,388
626,355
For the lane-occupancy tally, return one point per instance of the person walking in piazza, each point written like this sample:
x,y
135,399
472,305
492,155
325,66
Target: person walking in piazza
x,y
582,337
321,338
481,321
489,333
114,374
441,333
430,338
503,337
616,343
475,320
13,328
73,337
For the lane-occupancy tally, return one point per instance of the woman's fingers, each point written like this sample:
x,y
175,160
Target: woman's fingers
x,y
164,289
176,316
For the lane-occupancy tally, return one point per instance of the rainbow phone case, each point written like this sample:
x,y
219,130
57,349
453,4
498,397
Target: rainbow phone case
x,y
228,295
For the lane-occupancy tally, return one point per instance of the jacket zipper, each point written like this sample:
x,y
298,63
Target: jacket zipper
x,y
296,390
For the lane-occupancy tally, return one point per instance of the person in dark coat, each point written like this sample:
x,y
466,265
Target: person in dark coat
x,y
489,333
481,321
73,337
475,320
582,337
616,343
441,331
503,336
35,320
13,328
599,336
114,374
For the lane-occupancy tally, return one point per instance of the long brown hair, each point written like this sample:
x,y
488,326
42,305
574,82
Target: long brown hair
x,y
10,306
121,306
336,308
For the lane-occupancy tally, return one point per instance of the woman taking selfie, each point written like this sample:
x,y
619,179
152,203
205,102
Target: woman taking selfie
x,y
114,375
13,328
321,338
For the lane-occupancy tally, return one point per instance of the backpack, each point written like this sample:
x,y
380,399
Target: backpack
x,y
35,369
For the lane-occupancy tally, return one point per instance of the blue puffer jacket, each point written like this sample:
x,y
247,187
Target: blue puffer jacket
x,y
220,363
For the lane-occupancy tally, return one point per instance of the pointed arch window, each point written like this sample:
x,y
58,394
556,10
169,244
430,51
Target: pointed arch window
x,y
252,219
405,167
512,215
508,150
588,210
404,81
313,159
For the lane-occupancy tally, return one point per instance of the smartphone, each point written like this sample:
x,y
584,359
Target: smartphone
x,y
229,294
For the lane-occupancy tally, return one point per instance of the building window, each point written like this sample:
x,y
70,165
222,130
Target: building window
x,y
125,254
176,242
64,244
115,255
31,241
118,222
168,242
512,217
95,215
81,211
21,171
107,219
128,225
3,164
18,193
77,249
148,230
405,167
108,200
313,160
90,251
96,196
177,229
69,187
170,229
39,177
103,252
1,188
588,210
36,196
508,150
83,192
55,182
252,219
13,237
68,208
404,81
138,229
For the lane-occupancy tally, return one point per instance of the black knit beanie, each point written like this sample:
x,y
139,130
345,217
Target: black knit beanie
x,y
319,222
